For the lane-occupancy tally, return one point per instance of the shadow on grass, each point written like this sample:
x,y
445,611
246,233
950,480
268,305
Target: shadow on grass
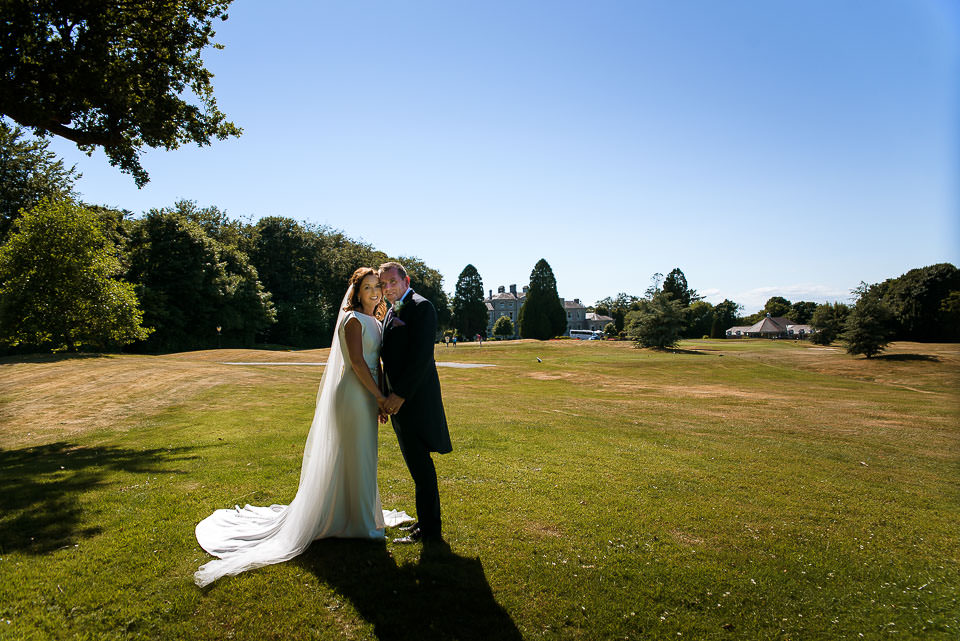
x,y
678,350
907,357
444,596
41,486
48,357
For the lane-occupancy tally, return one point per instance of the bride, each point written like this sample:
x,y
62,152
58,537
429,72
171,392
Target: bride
x,y
337,495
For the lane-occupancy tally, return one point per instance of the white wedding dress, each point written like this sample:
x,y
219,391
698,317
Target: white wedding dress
x,y
337,495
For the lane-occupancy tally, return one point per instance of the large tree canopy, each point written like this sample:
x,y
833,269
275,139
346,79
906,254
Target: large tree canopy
x,y
59,285
916,300
296,263
829,320
190,284
724,317
112,74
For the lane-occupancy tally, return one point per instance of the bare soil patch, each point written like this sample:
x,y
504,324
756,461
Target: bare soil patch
x,y
45,397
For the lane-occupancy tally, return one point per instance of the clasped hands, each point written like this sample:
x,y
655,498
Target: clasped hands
x,y
389,405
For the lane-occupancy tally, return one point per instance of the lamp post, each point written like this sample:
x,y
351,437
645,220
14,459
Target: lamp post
x,y
218,336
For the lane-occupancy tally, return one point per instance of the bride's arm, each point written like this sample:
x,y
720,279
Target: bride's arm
x,y
354,335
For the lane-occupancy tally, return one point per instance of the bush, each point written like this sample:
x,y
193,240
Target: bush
x,y
503,328
610,330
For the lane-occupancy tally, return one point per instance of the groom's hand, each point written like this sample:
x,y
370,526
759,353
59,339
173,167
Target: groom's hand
x,y
392,404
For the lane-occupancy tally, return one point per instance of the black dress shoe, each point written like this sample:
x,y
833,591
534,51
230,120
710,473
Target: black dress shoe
x,y
414,536
418,536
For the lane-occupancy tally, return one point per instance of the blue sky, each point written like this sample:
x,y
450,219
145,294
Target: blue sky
x,y
765,148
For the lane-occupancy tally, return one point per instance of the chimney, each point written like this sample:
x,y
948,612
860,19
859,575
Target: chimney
x,y
576,300
526,288
500,289
513,289
491,294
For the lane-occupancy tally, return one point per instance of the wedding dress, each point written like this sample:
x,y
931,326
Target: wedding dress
x,y
337,495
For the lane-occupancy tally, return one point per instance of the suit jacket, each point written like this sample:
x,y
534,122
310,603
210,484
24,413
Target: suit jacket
x,y
407,354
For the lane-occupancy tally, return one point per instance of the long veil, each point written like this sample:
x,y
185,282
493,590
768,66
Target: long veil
x,y
251,537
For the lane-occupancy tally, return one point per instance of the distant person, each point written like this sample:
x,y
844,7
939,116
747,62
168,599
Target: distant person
x,y
337,495
454,340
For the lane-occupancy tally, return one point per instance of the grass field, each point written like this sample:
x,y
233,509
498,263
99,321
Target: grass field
x,y
726,490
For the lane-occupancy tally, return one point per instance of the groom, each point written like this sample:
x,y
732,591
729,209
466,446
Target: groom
x,y
414,402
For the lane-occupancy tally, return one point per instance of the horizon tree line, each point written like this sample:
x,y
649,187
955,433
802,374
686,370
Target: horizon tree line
x,y
279,281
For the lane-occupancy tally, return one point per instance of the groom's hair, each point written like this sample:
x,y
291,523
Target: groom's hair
x,y
401,272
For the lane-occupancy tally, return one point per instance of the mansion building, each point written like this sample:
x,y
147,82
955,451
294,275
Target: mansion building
x,y
508,303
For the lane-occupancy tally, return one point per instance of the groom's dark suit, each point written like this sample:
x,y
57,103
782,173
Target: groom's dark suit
x,y
420,424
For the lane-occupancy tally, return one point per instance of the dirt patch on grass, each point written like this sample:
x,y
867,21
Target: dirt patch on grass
x,y
717,391
683,538
543,530
918,367
549,376
44,398
694,391
253,355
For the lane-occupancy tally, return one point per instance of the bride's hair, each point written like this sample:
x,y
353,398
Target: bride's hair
x,y
380,311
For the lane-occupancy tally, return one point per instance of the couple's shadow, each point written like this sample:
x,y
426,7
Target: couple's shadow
x,y
443,596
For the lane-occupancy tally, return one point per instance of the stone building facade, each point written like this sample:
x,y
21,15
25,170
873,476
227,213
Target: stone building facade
x,y
508,303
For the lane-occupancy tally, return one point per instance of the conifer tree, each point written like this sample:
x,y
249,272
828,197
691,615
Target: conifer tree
x,y
658,323
542,315
469,310
869,326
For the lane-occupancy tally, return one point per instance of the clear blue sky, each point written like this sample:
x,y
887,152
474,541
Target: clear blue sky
x,y
764,147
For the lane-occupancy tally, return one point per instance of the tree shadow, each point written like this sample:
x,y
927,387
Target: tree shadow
x,y
48,357
907,357
40,488
678,350
444,596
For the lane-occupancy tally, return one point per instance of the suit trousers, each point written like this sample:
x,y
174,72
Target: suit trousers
x,y
416,454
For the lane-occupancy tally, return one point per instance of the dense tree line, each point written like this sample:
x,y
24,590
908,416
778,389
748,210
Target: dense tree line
x,y
120,78
668,311
921,305
74,276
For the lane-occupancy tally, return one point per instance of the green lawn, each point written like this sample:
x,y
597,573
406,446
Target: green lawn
x,y
726,490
